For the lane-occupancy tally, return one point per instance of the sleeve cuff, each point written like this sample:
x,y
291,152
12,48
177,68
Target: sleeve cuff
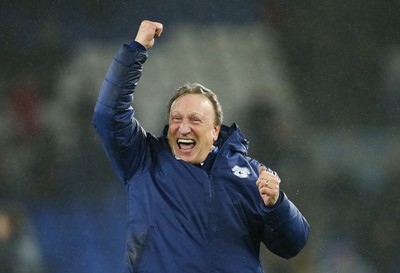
x,y
136,45
278,202
280,212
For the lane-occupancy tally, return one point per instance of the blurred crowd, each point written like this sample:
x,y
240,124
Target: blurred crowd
x,y
333,139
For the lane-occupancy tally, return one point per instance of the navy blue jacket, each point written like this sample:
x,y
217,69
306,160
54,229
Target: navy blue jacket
x,y
182,217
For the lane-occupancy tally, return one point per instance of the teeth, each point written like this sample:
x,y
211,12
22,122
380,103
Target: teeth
x,y
186,141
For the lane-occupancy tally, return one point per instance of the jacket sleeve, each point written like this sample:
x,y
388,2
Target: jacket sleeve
x,y
124,140
286,231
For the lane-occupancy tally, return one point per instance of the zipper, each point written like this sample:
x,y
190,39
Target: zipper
x,y
211,226
210,186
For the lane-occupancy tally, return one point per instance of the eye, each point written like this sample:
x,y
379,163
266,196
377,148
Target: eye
x,y
195,120
176,118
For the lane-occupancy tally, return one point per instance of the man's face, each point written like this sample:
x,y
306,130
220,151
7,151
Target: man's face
x,y
192,130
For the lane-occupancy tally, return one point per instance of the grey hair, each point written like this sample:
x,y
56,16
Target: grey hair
x,y
196,88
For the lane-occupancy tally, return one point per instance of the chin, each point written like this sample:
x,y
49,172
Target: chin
x,y
188,159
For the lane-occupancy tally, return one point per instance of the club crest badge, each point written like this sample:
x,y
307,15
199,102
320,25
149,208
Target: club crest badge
x,y
241,172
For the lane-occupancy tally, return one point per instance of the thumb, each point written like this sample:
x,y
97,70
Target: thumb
x,y
159,30
261,169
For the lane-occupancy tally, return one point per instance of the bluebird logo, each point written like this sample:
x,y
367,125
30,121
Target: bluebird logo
x,y
241,172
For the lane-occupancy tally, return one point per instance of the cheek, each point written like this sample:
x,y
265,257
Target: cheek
x,y
211,137
172,129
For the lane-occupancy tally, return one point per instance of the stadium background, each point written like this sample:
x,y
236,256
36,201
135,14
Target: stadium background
x,y
315,85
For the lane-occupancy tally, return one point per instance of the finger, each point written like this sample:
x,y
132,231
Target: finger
x,y
159,29
272,184
264,191
275,176
265,183
278,179
156,27
260,182
267,191
261,169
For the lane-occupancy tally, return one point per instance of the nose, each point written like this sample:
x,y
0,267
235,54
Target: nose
x,y
184,128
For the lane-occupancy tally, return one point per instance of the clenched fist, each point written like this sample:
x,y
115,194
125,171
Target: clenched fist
x,y
148,31
268,186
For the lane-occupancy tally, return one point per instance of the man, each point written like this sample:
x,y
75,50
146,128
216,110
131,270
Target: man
x,y
196,201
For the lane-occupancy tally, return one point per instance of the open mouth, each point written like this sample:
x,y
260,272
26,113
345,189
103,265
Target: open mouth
x,y
185,144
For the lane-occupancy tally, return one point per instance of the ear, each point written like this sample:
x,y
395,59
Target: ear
x,y
217,128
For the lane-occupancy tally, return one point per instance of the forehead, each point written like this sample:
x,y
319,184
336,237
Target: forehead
x,y
193,103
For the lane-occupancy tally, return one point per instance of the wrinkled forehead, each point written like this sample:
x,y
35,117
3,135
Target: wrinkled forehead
x,y
188,103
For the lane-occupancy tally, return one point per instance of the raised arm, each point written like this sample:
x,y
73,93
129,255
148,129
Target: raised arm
x,y
123,138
